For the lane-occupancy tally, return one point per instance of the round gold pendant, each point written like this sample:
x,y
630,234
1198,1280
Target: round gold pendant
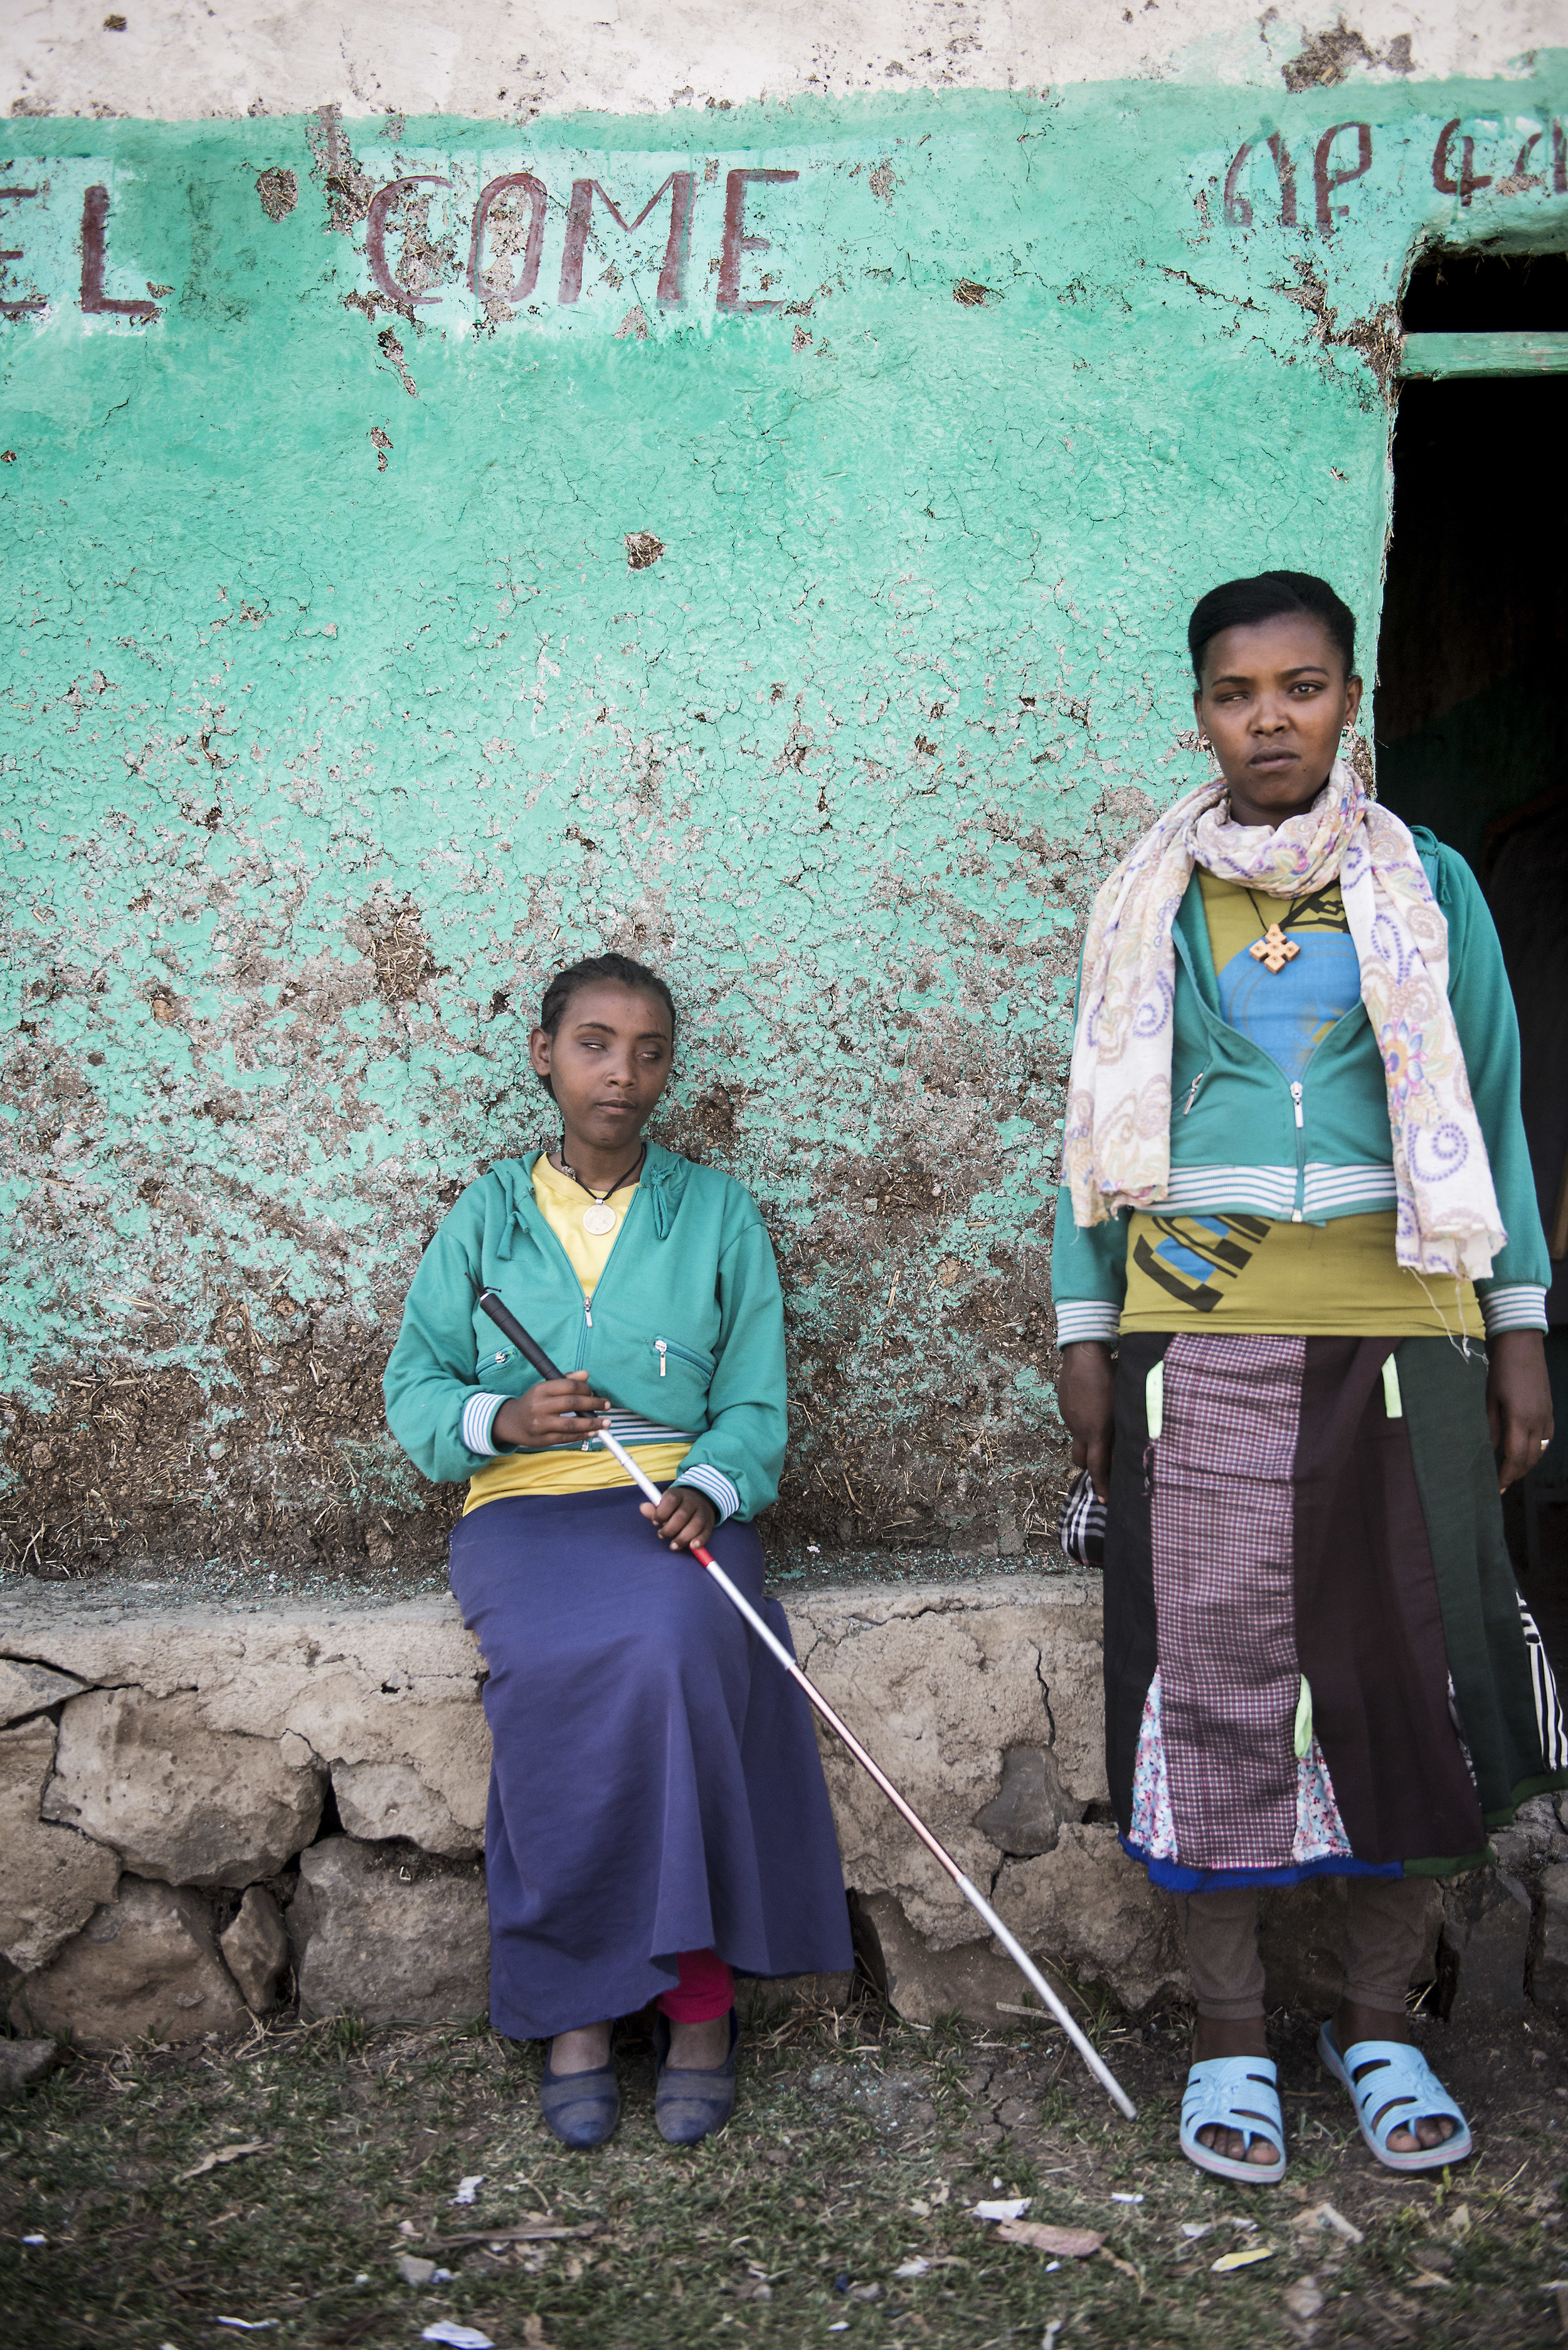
x,y
599,1218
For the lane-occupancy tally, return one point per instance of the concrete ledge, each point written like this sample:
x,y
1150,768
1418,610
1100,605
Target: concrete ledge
x,y
197,1797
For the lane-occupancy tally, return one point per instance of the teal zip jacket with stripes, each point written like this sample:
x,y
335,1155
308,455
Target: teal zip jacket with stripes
x,y
684,1335
1246,1140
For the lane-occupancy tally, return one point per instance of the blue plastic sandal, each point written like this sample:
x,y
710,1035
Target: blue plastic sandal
x,y
1234,2093
580,2108
1402,2081
688,2106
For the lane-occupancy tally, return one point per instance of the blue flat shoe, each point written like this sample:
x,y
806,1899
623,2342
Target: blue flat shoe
x,y
580,2108
689,2107
1234,2093
1400,2090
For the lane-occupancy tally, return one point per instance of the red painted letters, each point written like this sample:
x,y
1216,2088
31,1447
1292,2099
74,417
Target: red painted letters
x,y
95,228
736,241
14,253
1238,210
1443,180
509,289
1324,182
376,239
671,277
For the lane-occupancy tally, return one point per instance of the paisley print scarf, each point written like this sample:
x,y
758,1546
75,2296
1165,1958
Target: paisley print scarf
x,y
1117,1149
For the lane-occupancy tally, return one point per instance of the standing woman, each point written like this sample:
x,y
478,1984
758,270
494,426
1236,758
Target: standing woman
x,y
1300,1277
658,1812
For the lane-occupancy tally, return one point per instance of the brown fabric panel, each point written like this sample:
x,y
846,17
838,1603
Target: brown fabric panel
x,y
1369,1628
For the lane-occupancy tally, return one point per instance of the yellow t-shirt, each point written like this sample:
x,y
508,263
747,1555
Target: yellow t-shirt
x,y
571,1469
1251,1273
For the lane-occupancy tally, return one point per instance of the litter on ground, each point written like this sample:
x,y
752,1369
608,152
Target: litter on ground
x,y
224,2154
1073,2243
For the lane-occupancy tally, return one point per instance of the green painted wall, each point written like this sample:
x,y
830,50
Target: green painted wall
x,y
337,715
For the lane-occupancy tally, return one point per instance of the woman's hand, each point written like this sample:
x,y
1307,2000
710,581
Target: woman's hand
x,y
555,1411
1086,1396
682,1517
1518,1402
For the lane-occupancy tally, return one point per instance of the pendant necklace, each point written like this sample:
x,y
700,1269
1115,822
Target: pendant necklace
x,y
599,1218
1274,950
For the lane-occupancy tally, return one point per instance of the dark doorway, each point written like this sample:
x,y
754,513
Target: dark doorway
x,y
1471,726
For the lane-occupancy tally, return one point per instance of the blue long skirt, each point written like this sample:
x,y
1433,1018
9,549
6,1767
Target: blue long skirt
x,y
656,1785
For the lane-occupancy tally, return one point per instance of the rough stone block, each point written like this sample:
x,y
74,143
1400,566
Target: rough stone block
x,y
24,2062
376,1800
1486,1940
51,1878
942,1681
1549,1959
178,1800
967,1979
145,1961
28,1689
255,1950
1084,1908
385,1932
1025,1819
1094,1910
376,1684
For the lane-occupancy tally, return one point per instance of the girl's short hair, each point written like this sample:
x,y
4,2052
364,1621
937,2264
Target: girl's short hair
x,y
619,970
1242,603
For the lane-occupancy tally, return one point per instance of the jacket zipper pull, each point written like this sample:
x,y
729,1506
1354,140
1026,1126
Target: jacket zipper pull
x,y
662,1349
587,1314
1296,1097
1192,1096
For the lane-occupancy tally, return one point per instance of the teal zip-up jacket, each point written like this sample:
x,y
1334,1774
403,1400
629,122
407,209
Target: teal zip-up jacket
x,y
1245,1141
685,1332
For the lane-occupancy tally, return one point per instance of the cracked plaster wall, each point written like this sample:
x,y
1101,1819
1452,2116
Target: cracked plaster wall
x,y
385,629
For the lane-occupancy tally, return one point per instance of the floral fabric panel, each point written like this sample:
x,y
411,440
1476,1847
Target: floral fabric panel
x,y
1319,1832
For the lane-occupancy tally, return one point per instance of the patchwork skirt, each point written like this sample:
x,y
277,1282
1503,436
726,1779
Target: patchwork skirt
x,y
656,1785
1317,1657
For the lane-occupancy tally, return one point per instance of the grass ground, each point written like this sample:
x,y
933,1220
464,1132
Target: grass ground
x,y
857,2149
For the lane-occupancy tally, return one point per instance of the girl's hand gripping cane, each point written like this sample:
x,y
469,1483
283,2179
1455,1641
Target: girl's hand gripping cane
x,y
507,1323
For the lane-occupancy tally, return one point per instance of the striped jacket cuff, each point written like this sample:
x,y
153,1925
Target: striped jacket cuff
x,y
478,1419
1089,1317
714,1483
1521,1306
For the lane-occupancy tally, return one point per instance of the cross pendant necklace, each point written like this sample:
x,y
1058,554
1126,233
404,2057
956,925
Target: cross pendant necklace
x,y
1274,950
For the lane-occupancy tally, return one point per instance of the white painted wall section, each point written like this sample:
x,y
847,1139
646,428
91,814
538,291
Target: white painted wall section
x,y
183,59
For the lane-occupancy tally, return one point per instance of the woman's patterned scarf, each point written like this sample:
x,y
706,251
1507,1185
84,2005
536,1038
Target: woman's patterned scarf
x,y
1117,1150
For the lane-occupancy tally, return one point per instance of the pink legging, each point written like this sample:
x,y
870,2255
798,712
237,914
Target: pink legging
x,y
706,1989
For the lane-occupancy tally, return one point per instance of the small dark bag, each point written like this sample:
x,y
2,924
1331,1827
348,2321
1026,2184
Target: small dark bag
x,y
1081,1526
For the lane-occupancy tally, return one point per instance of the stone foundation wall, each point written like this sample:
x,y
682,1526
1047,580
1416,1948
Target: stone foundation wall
x,y
206,1808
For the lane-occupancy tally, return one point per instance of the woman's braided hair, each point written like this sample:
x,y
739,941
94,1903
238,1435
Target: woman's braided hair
x,y
1242,603
619,970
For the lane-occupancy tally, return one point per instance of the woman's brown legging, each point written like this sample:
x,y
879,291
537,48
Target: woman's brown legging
x,y
1385,1929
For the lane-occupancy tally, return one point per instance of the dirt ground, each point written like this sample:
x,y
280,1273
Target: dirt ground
x,y
181,2196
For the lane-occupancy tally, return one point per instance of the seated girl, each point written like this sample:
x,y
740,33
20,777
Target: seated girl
x,y
657,1812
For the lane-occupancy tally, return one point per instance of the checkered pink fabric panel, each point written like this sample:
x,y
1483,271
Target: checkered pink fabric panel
x,y
1223,1523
